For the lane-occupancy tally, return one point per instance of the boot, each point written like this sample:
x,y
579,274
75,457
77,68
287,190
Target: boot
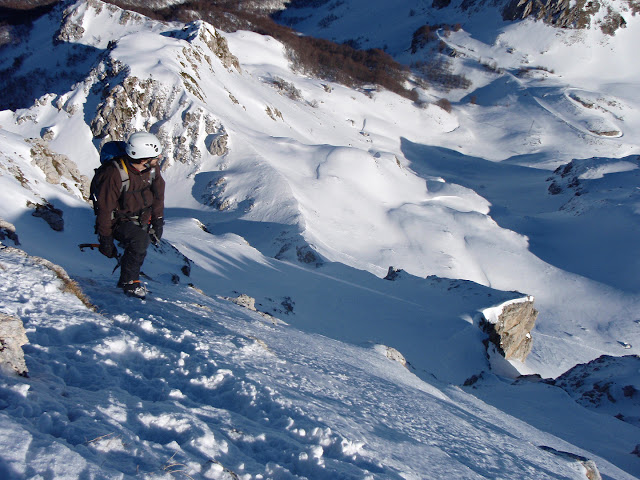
x,y
135,289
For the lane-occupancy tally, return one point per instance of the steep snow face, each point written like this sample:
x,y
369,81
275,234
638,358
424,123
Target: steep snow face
x,y
319,174
190,385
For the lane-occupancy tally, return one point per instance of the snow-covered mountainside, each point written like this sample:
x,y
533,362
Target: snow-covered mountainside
x,y
606,384
301,193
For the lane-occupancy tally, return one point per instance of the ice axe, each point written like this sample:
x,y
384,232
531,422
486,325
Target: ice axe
x,y
97,245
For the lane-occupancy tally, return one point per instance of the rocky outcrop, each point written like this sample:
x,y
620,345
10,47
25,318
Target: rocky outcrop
x,y
128,101
12,338
8,231
576,14
218,45
214,194
393,274
50,214
590,467
508,324
132,98
598,183
58,169
70,30
245,301
216,143
509,327
608,384
249,303
199,128
293,247
393,354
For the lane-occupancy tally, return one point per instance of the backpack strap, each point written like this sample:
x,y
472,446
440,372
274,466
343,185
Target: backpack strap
x,y
124,174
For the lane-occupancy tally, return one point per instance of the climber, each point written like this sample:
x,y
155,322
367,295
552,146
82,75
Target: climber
x,y
128,199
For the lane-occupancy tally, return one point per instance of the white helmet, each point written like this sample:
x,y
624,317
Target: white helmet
x,y
143,145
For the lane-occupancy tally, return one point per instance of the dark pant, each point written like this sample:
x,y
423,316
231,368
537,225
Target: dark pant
x,y
135,240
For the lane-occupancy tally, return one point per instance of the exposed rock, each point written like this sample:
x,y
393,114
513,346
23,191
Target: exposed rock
x,y
57,167
12,337
609,385
246,301
509,327
596,184
287,303
8,35
201,34
48,134
393,274
295,248
214,194
554,188
127,101
439,4
70,30
134,101
8,230
305,254
395,355
592,471
576,14
274,114
217,143
10,166
50,214
218,46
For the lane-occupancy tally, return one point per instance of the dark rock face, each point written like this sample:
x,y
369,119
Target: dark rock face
x,y
567,13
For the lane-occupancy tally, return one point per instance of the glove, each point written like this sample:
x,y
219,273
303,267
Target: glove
x,y
107,247
155,233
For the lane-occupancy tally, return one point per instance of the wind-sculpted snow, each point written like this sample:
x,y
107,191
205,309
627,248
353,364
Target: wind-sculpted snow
x,y
185,384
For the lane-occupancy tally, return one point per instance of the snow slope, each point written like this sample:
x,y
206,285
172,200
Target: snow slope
x,y
187,385
319,193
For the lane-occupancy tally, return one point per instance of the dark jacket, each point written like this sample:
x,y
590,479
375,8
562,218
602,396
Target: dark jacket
x,y
143,199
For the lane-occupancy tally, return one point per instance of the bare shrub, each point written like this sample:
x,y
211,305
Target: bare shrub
x,y
422,36
428,33
444,104
287,88
437,72
327,21
351,67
